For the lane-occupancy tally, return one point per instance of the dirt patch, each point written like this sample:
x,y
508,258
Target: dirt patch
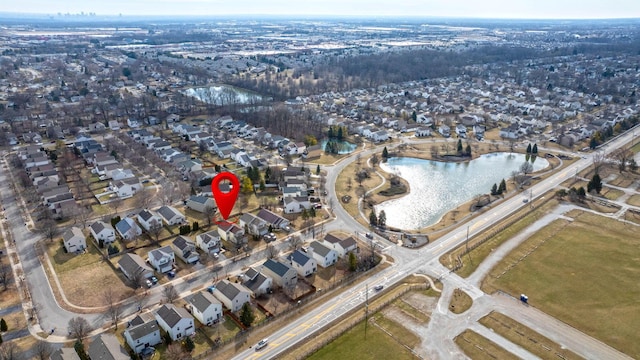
x,y
421,302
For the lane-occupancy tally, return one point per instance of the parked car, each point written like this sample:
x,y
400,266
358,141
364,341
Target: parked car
x,y
317,206
154,280
149,283
378,287
369,236
211,288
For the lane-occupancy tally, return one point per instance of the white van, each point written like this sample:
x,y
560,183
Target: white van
x,y
262,343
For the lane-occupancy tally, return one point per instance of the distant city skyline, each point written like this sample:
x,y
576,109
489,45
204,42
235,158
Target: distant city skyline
x,y
503,9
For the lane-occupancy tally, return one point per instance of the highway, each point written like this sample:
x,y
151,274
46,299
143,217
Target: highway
x,y
406,261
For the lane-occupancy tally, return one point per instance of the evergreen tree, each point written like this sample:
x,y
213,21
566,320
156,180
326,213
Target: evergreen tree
x,y
468,150
353,262
595,184
188,344
529,148
494,189
385,153
3,325
318,169
330,135
414,116
246,315
503,187
340,133
382,219
373,219
534,149
262,185
459,145
246,186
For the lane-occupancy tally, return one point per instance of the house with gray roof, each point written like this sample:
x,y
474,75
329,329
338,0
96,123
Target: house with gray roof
x,y
148,218
254,224
162,259
282,274
171,215
107,347
257,282
303,263
185,248
232,295
324,255
175,321
133,266
103,232
231,232
209,242
275,220
143,332
200,203
74,240
206,308
65,354
128,229
341,246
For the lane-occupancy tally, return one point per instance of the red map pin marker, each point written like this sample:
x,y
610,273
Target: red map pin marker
x,y
225,201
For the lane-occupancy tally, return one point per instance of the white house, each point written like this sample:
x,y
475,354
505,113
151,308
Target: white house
x,y
303,263
128,229
423,131
341,246
209,242
296,204
200,203
127,187
143,332
324,256
148,218
282,273
444,130
162,259
232,233
171,215
461,130
257,282
103,232
254,224
206,308
380,136
175,321
74,240
185,248
133,265
232,295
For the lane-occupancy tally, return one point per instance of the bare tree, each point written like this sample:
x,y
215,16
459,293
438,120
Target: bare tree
x,y
272,251
169,293
295,242
115,204
374,160
155,229
175,351
79,328
49,229
9,351
142,199
168,194
114,307
599,159
526,168
136,280
42,350
209,214
141,299
5,275
82,214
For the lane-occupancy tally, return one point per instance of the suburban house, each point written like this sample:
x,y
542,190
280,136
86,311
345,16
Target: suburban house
x,y
324,256
258,283
254,224
232,295
304,264
102,232
175,321
171,215
128,229
127,187
423,131
185,248
143,331
209,242
65,354
133,266
74,240
206,308
341,246
282,273
162,259
273,219
461,131
232,233
444,130
296,204
148,218
200,203
107,346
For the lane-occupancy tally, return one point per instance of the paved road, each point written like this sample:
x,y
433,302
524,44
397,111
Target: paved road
x,y
407,261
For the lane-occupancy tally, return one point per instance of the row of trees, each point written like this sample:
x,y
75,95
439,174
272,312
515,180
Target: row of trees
x,y
379,220
499,189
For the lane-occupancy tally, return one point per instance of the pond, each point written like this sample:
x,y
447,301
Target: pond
x,y
224,95
438,187
344,147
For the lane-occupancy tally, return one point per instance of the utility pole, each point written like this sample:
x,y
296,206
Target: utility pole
x,y
467,246
366,310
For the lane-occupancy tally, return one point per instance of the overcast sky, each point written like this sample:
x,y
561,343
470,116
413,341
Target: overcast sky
x,y
537,9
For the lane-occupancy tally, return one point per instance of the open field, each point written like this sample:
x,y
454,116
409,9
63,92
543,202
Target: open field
x,y
526,338
634,200
584,273
85,274
478,347
477,255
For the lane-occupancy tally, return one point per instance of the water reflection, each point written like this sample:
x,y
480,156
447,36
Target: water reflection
x,y
437,187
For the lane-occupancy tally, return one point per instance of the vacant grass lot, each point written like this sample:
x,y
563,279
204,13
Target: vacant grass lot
x,y
526,338
585,274
353,345
478,347
460,302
